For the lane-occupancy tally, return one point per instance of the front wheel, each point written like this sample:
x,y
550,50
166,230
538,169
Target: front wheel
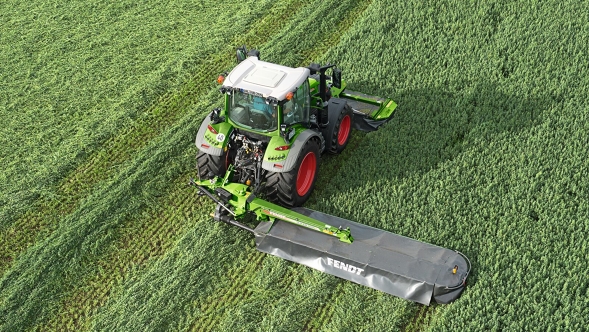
x,y
293,188
339,131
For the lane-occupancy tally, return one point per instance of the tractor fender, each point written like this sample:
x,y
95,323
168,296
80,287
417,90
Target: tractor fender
x,y
211,143
289,163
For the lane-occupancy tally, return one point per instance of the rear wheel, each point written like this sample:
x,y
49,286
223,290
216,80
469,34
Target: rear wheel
x,y
210,166
293,188
340,134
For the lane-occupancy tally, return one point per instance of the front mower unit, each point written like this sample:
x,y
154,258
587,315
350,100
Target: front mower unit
x,y
370,112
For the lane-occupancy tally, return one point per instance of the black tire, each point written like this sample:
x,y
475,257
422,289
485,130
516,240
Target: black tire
x,y
282,189
337,141
210,166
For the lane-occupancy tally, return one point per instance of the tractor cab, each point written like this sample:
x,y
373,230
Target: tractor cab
x,y
262,96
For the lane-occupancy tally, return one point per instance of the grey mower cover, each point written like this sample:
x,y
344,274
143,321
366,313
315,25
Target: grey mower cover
x,y
391,263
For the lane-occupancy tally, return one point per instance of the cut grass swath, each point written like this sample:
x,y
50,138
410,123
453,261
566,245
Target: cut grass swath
x,y
253,33
104,164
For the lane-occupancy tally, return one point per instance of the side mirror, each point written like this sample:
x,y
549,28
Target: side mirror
x,y
336,78
241,54
287,134
255,53
216,115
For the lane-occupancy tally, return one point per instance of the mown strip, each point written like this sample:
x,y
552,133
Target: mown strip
x,y
325,311
233,288
421,318
78,72
140,240
32,289
358,308
113,268
103,165
279,304
60,241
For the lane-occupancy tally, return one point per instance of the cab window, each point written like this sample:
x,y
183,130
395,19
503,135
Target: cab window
x,y
297,109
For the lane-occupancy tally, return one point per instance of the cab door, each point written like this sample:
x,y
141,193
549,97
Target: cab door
x,y
296,110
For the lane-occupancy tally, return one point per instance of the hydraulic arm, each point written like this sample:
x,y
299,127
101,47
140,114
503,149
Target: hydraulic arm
x,y
236,200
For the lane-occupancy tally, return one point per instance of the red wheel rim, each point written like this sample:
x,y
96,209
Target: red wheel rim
x,y
344,130
306,174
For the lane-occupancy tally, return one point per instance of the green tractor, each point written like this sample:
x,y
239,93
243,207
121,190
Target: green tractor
x,y
259,155
276,123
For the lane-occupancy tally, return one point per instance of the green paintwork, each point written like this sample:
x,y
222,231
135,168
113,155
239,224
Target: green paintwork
x,y
272,154
335,92
223,128
386,106
266,211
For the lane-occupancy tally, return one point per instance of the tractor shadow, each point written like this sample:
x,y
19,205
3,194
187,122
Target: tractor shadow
x,y
429,127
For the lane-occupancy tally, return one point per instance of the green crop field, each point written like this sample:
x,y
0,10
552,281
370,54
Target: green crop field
x,y
488,153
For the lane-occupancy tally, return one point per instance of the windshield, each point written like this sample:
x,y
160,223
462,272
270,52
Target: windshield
x,y
252,112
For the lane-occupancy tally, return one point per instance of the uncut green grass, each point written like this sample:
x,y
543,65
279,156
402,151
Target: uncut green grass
x,y
486,154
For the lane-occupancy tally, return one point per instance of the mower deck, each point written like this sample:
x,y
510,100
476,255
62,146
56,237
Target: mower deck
x,y
378,259
370,112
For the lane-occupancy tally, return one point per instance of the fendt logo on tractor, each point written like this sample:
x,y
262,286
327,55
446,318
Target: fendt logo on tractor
x,y
343,266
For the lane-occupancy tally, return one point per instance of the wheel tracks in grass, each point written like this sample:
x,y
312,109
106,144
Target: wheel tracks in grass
x,y
322,46
372,310
120,148
421,318
237,290
49,271
141,240
324,312
101,166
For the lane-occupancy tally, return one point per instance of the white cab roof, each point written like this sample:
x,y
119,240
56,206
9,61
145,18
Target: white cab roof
x,y
265,78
